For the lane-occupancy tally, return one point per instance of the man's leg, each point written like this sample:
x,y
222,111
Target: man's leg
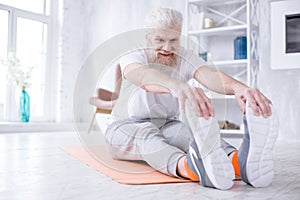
x,y
228,148
232,153
178,134
255,154
143,141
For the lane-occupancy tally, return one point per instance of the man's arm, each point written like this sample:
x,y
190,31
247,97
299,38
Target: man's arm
x,y
221,83
149,79
218,81
153,80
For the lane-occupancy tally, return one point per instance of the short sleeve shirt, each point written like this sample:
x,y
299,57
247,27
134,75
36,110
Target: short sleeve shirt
x,y
137,104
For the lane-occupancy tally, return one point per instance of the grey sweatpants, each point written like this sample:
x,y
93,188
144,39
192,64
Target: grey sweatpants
x,y
159,142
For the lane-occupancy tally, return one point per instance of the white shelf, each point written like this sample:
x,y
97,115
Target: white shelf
x,y
222,97
213,95
210,2
227,30
232,133
241,62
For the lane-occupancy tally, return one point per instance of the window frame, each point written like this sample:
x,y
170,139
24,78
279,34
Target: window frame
x,y
49,100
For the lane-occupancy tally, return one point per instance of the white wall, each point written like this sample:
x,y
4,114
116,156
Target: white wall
x,y
68,53
282,86
109,18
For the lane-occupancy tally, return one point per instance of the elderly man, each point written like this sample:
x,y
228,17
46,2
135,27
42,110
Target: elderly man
x,y
155,91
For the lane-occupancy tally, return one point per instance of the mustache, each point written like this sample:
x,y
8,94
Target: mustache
x,y
165,52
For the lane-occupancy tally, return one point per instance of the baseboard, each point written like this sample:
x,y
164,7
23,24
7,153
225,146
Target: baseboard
x,y
17,127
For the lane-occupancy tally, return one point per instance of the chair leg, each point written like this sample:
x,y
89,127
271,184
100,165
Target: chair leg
x,y
92,122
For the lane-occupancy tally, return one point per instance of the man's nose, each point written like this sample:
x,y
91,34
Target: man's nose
x,y
167,46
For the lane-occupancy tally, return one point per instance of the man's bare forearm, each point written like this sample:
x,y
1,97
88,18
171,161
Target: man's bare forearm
x,y
149,79
218,81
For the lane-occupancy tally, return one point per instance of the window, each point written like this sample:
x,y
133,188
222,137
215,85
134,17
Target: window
x,y
35,6
25,29
3,53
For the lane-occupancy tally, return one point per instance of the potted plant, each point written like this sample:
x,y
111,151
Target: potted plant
x,y
20,76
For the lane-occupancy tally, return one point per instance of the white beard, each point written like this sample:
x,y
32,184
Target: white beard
x,y
154,57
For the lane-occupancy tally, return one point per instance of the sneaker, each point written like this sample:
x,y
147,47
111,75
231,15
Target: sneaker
x,y
255,154
205,156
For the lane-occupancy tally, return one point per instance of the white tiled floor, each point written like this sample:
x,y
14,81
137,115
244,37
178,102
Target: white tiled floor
x,y
33,167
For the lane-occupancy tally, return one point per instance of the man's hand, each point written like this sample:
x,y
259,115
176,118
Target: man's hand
x,y
199,101
257,101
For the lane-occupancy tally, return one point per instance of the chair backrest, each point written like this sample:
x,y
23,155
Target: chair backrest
x,y
106,99
107,95
118,79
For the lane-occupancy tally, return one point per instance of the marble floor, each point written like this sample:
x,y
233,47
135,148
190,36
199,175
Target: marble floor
x,y
33,167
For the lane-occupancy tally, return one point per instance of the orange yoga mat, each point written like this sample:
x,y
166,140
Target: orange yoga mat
x,y
125,172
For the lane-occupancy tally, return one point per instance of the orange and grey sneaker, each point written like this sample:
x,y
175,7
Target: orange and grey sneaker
x,y
255,154
205,157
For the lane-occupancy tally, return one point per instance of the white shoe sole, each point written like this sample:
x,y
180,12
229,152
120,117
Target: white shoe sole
x,y
263,133
217,164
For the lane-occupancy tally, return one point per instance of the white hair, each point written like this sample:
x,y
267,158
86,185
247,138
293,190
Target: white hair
x,y
164,17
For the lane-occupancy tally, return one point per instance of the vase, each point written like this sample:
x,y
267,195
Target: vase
x,y
240,48
24,108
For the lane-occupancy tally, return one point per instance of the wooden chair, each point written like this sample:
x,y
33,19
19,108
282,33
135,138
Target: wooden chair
x,y
105,99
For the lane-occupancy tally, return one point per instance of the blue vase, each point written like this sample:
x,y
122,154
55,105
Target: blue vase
x,y
24,109
240,48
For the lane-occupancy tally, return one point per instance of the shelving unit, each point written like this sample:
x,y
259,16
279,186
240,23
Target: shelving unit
x,y
231,18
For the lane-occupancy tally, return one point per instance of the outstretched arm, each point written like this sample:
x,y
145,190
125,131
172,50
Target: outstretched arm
x,y
153,80
221,83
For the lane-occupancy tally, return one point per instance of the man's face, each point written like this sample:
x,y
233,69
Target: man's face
x,y
165,43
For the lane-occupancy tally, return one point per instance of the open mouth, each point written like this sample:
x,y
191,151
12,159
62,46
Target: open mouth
x,y
165,54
